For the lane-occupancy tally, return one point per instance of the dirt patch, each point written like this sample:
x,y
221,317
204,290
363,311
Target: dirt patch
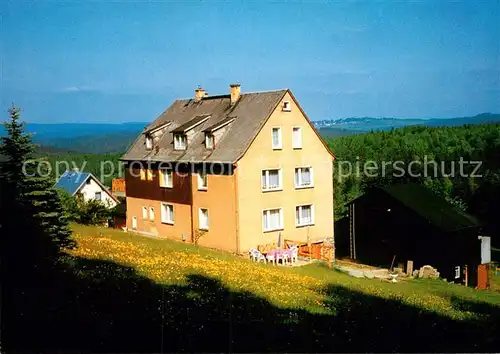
x,y
346,263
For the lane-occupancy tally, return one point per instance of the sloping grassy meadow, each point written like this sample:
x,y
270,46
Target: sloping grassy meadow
x,y
125,293
172,263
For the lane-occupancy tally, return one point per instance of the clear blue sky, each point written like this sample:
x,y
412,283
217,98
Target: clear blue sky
x,y
122,61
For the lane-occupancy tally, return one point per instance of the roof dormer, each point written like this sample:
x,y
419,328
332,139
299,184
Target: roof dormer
x,y
154,134
149,142
180,141
184,133
214,132
191,124
209,140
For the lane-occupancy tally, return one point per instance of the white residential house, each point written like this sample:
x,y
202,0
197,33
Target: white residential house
x,y
86,185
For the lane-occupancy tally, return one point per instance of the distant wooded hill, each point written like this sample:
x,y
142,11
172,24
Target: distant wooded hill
x,y
348,126
99,138
473,186
445,145
92,138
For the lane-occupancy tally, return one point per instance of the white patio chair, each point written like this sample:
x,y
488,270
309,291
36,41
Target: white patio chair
x,y
253,254
294,250
283,256
271,257
258,256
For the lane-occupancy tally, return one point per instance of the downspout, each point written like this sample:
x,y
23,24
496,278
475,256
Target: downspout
x,y
191,193
354,227
236,204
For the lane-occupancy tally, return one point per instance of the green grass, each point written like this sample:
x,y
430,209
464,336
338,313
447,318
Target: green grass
x,y
237,273
495,280
125,292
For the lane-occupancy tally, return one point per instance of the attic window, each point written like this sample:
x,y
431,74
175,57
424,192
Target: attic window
x,y
287,107
209,141
149,142
180,142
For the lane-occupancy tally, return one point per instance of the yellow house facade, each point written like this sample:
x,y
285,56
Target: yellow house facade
x,y
253,171
310,154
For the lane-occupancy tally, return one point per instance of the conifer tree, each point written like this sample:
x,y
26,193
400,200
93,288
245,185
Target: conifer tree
x,y
33,231
34,223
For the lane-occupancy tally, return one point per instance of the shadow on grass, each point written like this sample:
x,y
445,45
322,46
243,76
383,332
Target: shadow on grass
x,y
109,308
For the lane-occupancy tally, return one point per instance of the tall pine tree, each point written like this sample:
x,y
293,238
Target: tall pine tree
x,y
33,232
34,223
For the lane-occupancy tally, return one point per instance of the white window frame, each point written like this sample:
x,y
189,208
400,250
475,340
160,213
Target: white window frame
x,y
298,223
457,272
202,187
287,106
134,222
167,218
280,135
268,211
178,138
200,214
149,142
100,196
300,186
295,144
209,138
280,179
164,174
151,213
144,213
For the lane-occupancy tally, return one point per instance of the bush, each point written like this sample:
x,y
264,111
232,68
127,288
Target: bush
x,y
91,212
69,204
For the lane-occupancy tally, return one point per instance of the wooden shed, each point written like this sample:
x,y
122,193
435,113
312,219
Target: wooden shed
x,y
405,222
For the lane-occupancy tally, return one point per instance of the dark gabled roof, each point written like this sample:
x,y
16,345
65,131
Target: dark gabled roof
x,y
430,206
191,124
252,110
219,125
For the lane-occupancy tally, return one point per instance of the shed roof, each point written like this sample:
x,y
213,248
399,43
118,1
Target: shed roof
x,y
219,125
191,124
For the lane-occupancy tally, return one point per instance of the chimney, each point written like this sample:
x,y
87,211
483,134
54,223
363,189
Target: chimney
x,y
235,92
199,93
